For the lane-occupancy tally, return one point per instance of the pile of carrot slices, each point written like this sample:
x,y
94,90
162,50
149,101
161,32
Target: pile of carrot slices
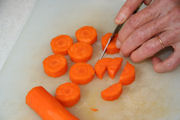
x,y
50,107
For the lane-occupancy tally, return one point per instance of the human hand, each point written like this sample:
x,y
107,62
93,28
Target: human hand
x,y
149,31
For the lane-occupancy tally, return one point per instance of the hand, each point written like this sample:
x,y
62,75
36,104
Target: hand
x,y
149,31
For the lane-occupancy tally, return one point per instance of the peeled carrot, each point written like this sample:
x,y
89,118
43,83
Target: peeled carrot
x,y
81,73
128,74
46,106
101,67
61,44
112,65
111,49
68,94
80,52
112,93
86,34
55,65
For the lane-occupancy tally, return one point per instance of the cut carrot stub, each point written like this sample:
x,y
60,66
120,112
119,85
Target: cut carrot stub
x,y
80,52
128,74
111,49
86,34
114,66
55,65
109,64
94,109
101,66
68,94
81,73
61,44
46,106
112,93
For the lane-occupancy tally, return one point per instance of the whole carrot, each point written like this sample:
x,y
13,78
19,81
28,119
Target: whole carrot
x,y
46,106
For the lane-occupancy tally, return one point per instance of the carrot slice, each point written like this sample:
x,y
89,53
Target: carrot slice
x,y
55,65
114,66
112,93
81,73
128,74
101,66
80,52
46,106
68,94
94,109
86,34
111,49
61,44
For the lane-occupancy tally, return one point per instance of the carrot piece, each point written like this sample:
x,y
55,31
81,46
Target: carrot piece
x,y
81,73
80,52
101,66
68,94
114,66
112,93
86,34
61,44
55,65
94,109
111,49
46,106
128,74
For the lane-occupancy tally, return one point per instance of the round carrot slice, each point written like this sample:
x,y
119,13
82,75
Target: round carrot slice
x,y
68,94
81,73
55,65
80,52
112,93
61,44
111,49
86,34
128,74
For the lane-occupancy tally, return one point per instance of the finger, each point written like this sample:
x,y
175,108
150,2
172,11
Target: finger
x,y
126,10
135,21
147,2
152,46
141,35
167,65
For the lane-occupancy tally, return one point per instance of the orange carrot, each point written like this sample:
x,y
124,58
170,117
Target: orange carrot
x,y
112,93
114,66
61,44
55,65
128,74
101,66
94,109
81,73
86,34
68,94
80,52
111,49
46,106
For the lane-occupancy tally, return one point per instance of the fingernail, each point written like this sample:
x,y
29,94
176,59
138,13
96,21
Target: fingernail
x,y
120,19
118,44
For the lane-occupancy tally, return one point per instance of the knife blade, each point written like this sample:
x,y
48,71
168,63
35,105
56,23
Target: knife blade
x,y
116,30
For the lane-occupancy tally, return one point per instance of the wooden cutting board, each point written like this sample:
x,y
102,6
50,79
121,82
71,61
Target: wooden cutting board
x,y
152,96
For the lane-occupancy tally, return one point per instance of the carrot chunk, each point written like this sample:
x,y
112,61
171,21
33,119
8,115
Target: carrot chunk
x,y
80,52
81,73
61,44
112,93
55,65
128,74
68,94
111,49
46,106
86,34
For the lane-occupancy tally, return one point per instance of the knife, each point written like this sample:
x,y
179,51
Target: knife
x,y
116,30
